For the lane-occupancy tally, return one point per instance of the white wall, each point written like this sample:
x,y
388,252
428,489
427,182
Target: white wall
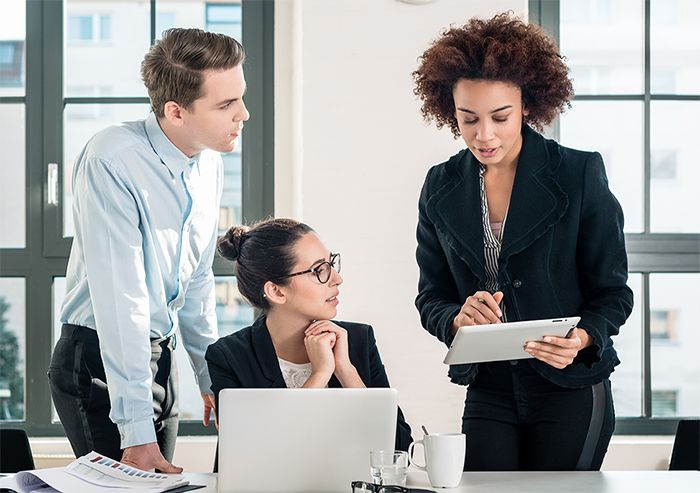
x,y
351,155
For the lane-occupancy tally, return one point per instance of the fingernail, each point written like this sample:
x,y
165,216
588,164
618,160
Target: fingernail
x,y
500,313
530,344
547,339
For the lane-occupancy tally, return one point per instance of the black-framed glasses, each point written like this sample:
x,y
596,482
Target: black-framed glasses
x,y
322,271
363,487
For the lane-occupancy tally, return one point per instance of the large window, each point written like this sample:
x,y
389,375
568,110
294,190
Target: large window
x,y
81,75
636,71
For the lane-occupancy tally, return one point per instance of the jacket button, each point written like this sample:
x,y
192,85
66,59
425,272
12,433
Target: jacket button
x,y
517,283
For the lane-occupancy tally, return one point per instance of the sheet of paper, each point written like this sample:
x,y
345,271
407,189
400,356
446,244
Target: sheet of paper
x,y
92,473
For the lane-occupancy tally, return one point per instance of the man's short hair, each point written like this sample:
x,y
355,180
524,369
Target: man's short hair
x,y
172,69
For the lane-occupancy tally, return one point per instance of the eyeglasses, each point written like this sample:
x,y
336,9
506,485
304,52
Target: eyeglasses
x,y
322,270
362,487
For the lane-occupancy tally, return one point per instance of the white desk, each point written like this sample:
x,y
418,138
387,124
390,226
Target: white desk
x,y
543,482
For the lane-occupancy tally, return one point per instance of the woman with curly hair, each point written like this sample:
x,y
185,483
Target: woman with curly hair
x,y
518,227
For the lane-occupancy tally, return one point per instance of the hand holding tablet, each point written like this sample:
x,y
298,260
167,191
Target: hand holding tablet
x,y
505,341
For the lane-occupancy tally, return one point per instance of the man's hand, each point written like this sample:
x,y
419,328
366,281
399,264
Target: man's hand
x,y
147,457
209,406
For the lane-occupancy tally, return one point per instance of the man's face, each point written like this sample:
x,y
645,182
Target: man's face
x,y
214,121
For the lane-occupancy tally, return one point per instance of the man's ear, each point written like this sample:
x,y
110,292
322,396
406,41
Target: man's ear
x,y
274,293
173,113
525,110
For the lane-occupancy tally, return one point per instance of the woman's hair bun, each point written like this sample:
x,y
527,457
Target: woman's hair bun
x,y
229,245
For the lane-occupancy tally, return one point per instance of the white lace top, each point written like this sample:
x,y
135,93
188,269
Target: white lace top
x,y
295,375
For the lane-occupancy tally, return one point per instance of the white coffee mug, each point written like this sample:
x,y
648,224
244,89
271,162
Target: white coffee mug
x,y
444,458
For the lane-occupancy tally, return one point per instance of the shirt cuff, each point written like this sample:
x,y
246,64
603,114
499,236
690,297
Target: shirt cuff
x,y
137,433
204,383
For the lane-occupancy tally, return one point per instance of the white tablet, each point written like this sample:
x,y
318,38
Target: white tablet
x,y
505,341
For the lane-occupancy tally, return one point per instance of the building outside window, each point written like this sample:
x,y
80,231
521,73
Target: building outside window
x,y
89,28
11,63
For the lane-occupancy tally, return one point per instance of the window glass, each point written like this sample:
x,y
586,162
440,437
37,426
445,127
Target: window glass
x,y
12,348
105,28
233,313
221,17
232,195
12,47
224,19
675,173
603,42
106,41
596,126
675,47
13,207
627,378
79,28
675,366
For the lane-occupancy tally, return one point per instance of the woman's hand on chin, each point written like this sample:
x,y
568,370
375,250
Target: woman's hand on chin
x,y
345,371
341,355
319,348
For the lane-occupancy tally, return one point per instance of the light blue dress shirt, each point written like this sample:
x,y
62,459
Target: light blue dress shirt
x,y
140,266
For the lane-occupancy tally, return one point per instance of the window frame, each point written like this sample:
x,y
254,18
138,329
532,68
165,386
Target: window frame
x,y
46,252
647,253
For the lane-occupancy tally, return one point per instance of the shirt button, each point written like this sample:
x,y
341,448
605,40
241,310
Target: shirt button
x,y
513,362
517,283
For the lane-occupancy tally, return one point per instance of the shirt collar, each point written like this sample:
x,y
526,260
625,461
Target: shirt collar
x,y
173,158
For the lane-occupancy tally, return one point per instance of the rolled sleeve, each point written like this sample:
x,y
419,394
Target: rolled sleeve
x,y
136,433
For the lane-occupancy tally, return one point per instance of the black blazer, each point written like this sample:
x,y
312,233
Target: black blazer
x,y
563,251
247,359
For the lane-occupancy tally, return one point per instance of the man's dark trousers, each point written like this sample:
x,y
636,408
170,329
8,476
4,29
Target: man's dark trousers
x,y
79,392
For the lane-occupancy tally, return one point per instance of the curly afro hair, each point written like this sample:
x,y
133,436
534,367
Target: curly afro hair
x,y
504,49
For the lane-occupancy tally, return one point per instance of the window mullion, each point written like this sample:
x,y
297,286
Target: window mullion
x,y
647,116
646,348
153,21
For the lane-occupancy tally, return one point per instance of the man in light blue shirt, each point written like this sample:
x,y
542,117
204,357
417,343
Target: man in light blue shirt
x,y
146,208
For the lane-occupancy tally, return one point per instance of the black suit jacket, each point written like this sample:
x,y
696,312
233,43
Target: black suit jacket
x,y
563,251
247,359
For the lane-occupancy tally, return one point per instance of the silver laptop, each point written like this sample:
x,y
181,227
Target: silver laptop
x,y
301,440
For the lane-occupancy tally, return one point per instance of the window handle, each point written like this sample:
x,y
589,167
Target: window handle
x,y
52,182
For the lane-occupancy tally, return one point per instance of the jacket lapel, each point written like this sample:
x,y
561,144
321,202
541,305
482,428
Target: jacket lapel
x,y
537,201
266,355
455,210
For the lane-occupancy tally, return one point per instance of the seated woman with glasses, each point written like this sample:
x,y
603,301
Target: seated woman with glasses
x,y
284,270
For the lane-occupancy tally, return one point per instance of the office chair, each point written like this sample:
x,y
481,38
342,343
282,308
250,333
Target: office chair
x,y
686,446
15,453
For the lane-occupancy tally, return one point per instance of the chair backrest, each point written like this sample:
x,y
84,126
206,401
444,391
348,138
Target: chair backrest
x,y
15,453
686,446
